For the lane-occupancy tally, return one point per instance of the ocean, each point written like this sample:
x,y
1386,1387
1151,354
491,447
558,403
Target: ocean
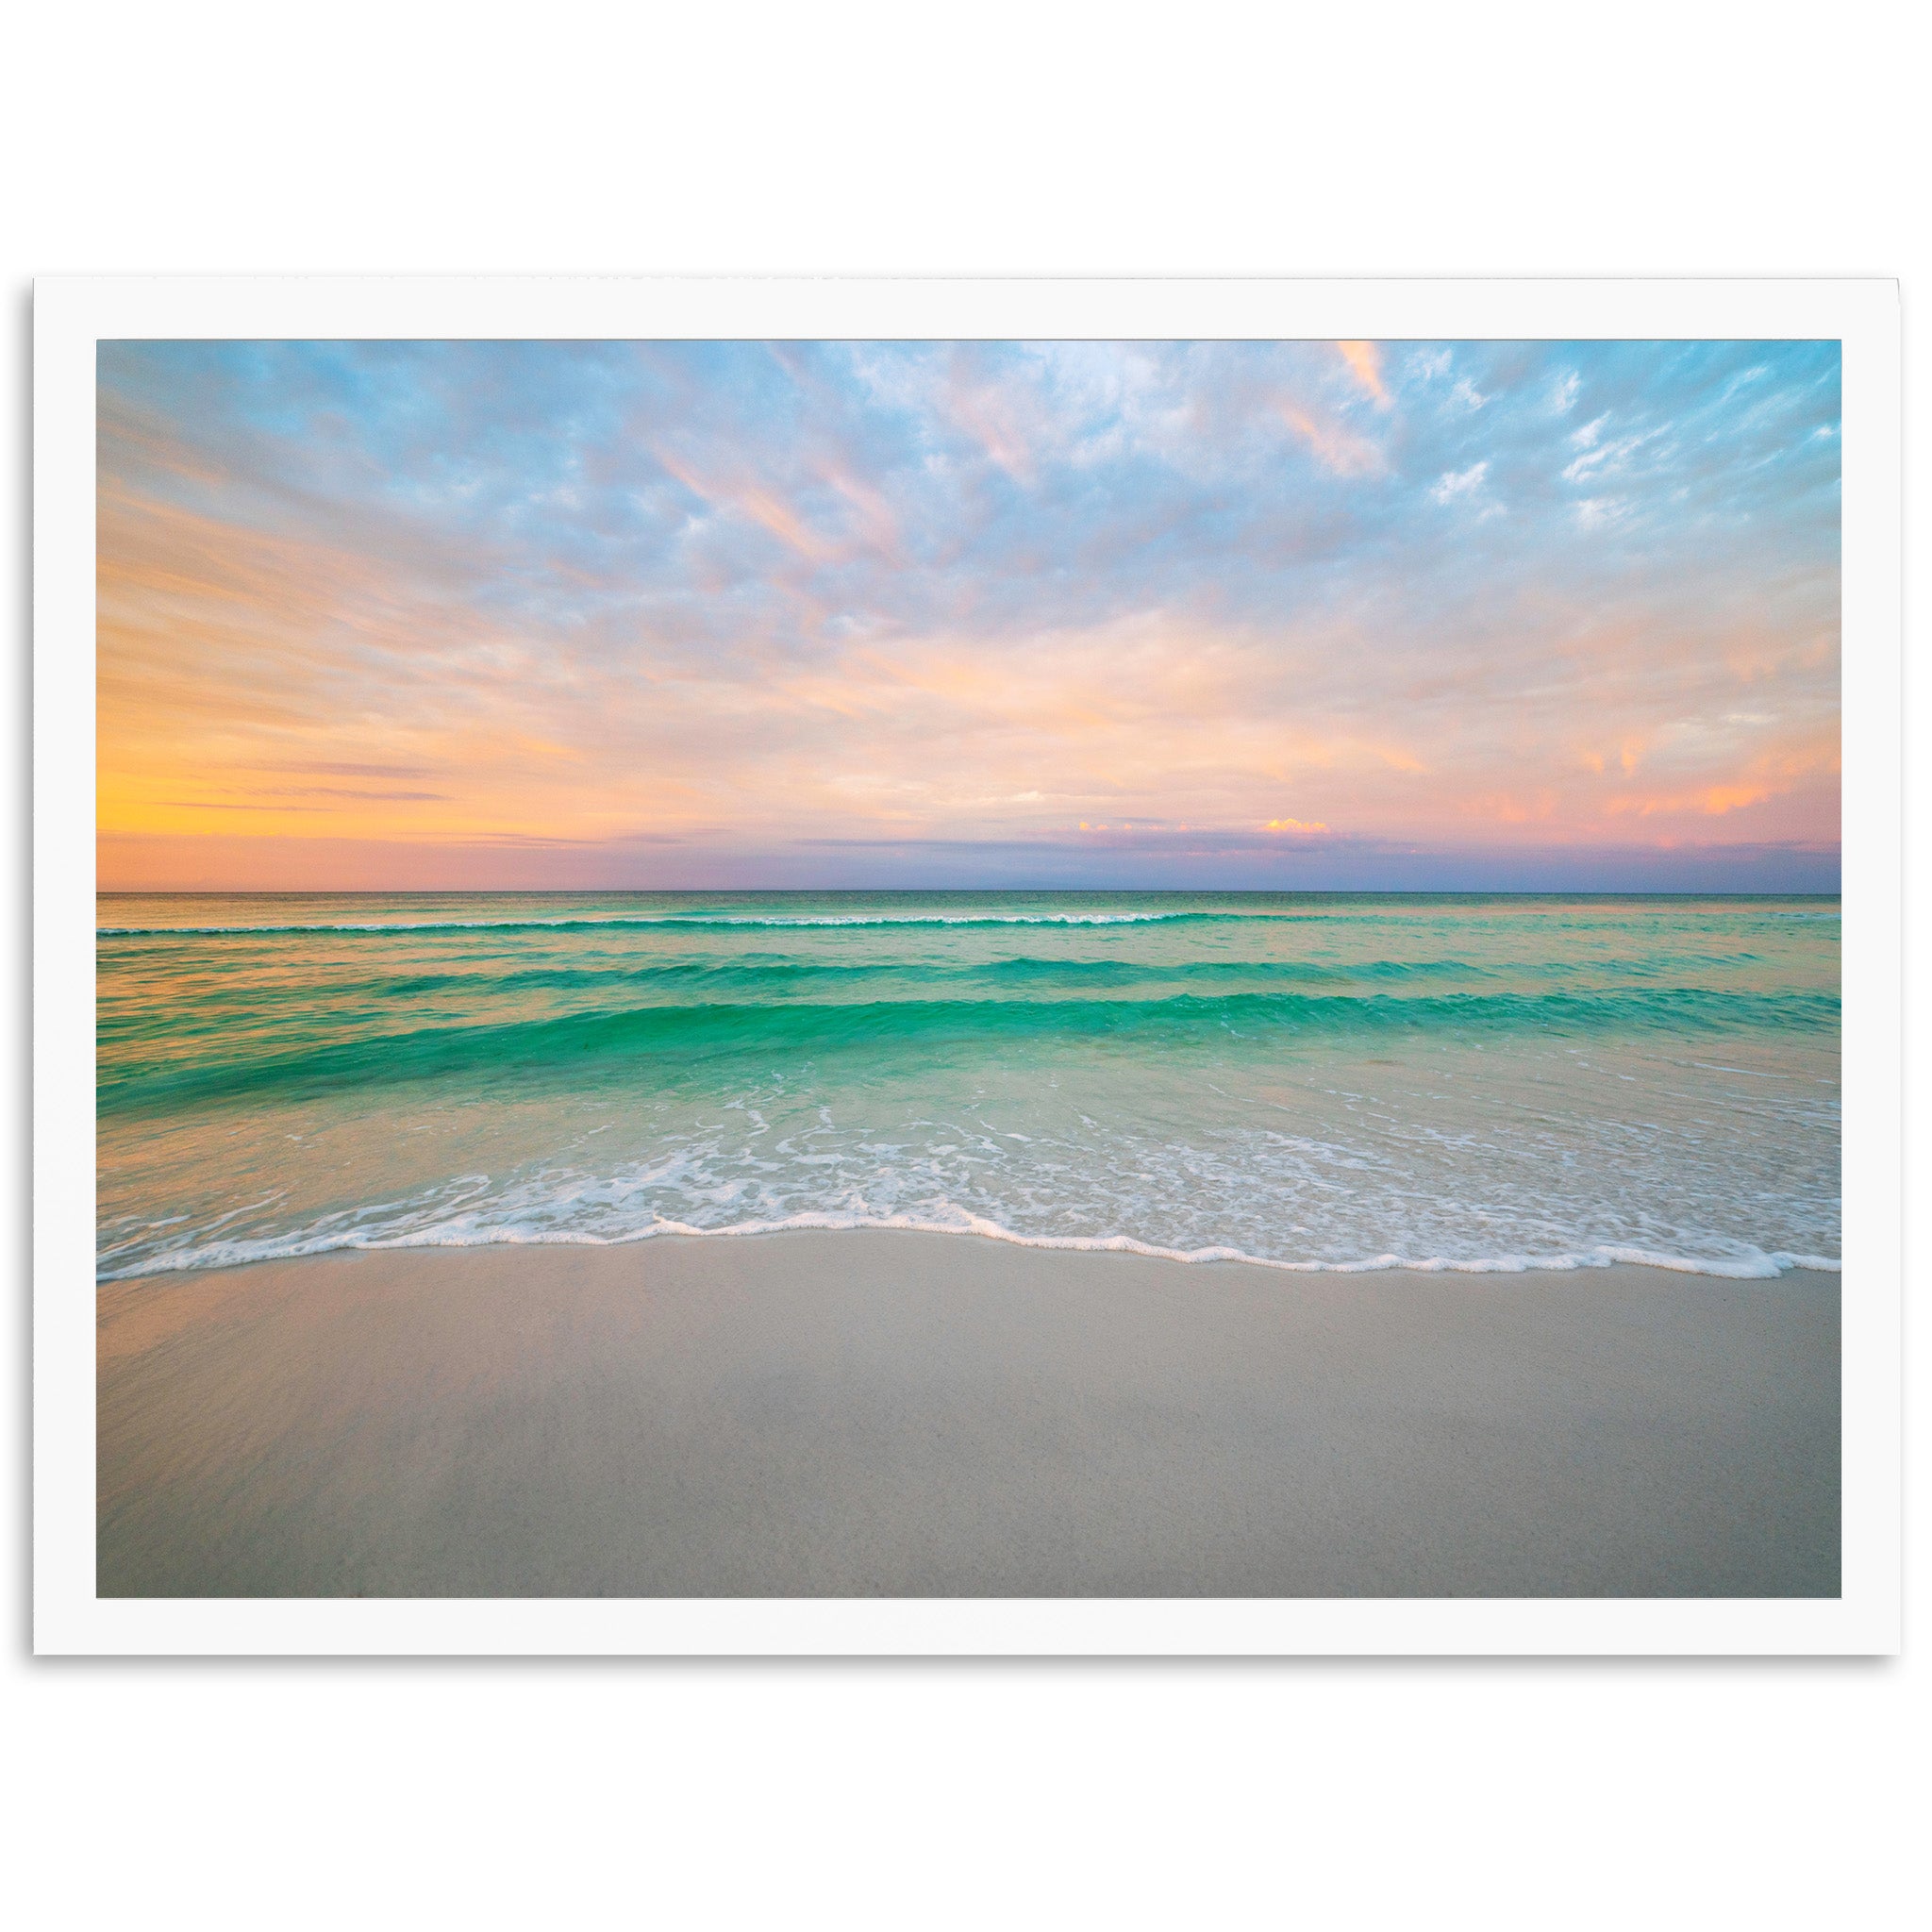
x,y
1311,1080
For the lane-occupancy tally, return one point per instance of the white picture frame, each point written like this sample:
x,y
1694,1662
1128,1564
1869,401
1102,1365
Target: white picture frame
x,y
73,315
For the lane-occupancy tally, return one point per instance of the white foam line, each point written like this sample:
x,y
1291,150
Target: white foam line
x,y
1758,1267
677,919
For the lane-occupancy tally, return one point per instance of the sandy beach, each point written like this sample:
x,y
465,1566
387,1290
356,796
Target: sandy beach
x,y
902,1414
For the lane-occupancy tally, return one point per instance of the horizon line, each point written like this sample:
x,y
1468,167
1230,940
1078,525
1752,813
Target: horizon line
x,y
959,891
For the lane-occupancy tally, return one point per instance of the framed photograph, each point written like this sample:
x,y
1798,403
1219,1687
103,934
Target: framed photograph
x,y
976,967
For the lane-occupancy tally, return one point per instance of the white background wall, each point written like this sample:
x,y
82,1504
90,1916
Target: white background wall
x,y
1680,139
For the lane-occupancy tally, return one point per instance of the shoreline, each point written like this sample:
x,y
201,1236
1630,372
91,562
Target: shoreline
x,y
1775,1262
878,1412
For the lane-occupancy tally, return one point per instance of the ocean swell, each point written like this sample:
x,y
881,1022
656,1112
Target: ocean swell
x,y
676,1039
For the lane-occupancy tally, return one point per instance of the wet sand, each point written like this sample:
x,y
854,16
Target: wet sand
x,y
872,1413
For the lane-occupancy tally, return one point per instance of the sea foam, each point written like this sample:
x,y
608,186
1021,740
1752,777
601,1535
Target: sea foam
x,y
1751,1266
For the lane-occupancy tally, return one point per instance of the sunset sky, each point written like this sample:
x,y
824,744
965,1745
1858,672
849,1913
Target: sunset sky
x,y
725,614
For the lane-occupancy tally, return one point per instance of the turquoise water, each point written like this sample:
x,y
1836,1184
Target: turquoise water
x,y
1313,1080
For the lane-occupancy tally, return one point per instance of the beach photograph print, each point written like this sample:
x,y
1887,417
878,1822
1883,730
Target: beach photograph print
x,y
922,968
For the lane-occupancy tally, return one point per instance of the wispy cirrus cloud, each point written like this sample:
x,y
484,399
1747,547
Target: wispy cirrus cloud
x,y
1364,361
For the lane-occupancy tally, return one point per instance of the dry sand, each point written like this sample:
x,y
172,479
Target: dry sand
x,y
899,1414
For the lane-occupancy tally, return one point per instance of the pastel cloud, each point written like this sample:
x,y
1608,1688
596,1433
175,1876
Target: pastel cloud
x,y
1364,360
719,612
1455,483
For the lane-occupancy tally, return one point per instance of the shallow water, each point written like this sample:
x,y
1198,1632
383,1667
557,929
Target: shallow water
x,y
1313,1080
